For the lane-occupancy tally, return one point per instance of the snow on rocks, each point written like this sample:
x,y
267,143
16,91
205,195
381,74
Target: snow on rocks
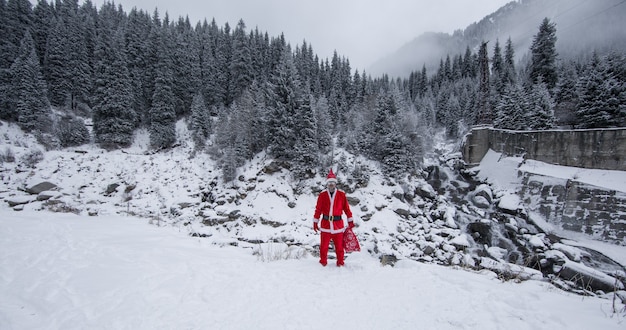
x,y
509,271
265,207
483,196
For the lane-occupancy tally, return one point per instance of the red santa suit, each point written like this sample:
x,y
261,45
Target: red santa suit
x,y
330,206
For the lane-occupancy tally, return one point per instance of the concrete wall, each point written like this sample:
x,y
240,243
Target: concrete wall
x,y
591,148
568,204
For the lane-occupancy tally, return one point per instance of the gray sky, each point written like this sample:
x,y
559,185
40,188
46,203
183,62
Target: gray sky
x,y
361,30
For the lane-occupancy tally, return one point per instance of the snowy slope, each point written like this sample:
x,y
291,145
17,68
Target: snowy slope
x,y
64,271
160,268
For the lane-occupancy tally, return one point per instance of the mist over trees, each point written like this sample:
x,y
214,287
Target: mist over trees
x,y
243,92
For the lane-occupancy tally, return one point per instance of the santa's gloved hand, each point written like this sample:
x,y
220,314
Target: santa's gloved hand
x,y
351,224
316,227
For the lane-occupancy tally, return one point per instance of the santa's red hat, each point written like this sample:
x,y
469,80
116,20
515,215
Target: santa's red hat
x,y
331,177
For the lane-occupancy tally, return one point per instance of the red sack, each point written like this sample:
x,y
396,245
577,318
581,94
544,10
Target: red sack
x,y
350,242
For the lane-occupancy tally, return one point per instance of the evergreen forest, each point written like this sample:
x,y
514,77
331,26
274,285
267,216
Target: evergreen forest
x,y
72,74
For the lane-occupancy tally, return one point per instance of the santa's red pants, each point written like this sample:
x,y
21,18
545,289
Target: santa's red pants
x,y
337,241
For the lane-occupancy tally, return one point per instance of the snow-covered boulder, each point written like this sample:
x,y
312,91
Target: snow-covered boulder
x,y
40,187
510,203
46,195
483,196
19,200
589,278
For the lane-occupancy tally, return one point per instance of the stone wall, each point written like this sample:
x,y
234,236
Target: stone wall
x,y
591,148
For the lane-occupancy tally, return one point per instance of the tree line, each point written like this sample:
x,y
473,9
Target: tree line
x,y
244,92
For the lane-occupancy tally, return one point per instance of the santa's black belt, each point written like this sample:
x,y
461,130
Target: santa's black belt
x,y
335,218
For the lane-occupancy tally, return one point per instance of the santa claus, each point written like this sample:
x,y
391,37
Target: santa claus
x,y
331,204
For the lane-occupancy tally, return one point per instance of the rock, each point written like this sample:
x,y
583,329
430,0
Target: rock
x,y
275,166
428,250
510,203
480,202
484,191
353,201
508,271
426,191
403,213
234,215
589,278
388,260
130,188
215,220
111,188
19,200
38,188
460,242
480,231
184,205
46,195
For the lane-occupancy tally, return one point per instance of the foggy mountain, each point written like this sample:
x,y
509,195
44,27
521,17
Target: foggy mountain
x,y
582,27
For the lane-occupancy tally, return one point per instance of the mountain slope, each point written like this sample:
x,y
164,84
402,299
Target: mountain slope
x,y
582,27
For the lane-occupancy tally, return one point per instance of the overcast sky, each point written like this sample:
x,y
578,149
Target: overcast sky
x,y
361,30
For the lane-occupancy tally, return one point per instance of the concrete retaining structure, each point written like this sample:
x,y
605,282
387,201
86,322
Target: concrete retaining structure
x,y
589,148
571,205
577,207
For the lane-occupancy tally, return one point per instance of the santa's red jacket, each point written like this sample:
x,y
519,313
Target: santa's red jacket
x,y
332,223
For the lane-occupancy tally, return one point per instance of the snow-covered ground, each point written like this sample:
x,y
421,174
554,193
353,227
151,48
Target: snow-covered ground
x,y
64,271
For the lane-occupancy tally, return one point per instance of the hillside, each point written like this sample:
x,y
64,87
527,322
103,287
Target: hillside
x,y
582,27
444,217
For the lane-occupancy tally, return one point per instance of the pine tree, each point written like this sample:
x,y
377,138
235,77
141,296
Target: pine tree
x,y
542,108
208,68
56,63
601,96
509,74
566,97
469,65
67,67
513,109
5,64
222,57
240,67
186,60
283,104
395,160
324,127
484,107
137,47
72,131
306,151
31,103
543,52
15,18
254,115
200,124
19,19
43,16
162,113
498,70
381,127
114,119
